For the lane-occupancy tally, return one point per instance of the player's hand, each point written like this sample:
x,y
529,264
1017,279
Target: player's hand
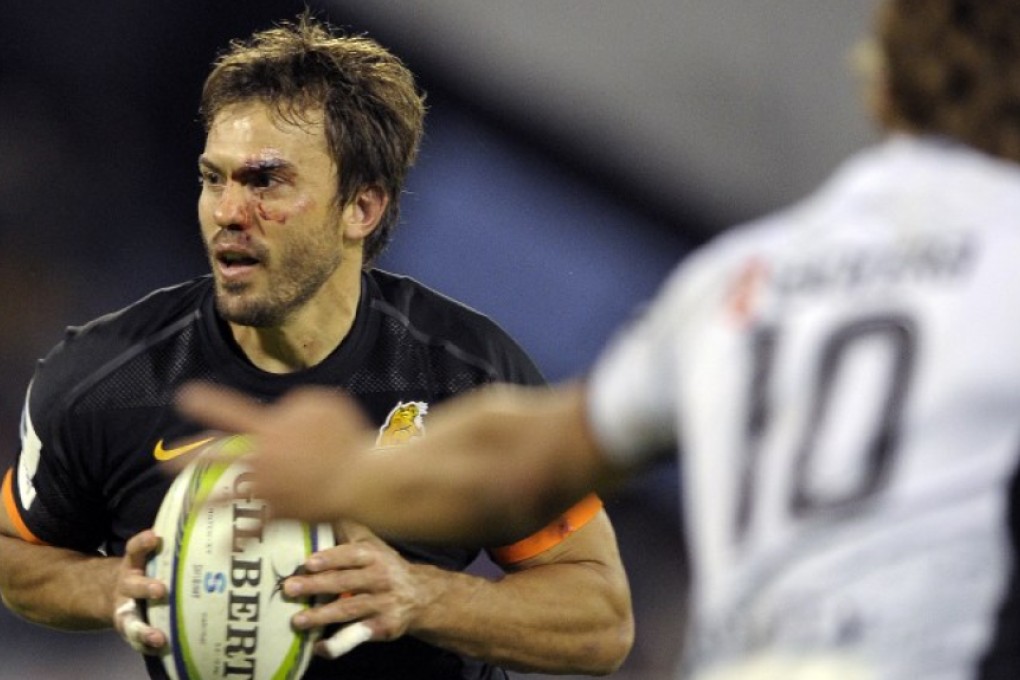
x,y
133,585
299,441
379,591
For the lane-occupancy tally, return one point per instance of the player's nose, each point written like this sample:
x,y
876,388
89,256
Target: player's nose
x,y
233,207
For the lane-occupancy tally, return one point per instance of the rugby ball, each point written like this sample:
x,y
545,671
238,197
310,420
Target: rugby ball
x,y
224,564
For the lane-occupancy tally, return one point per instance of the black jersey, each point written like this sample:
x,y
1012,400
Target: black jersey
x,y
99,415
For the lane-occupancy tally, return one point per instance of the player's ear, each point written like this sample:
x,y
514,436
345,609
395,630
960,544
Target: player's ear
x,y
362,214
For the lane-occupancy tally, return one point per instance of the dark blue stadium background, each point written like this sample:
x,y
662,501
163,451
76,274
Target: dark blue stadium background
x,y
98,140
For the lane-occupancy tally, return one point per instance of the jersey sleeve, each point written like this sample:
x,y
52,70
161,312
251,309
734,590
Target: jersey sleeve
x,y
13,508
46,493
632,389
18,489
512,364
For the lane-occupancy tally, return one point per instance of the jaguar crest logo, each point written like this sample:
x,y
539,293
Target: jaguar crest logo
x,y
405,422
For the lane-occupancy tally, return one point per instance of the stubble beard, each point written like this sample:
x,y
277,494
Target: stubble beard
x,y
300,274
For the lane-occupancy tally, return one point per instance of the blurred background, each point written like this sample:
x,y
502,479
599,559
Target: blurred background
x,y
576,150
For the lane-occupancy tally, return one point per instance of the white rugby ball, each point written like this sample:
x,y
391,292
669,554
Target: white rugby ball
x,y
225,614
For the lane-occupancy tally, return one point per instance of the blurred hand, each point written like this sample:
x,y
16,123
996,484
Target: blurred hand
x,y
299,442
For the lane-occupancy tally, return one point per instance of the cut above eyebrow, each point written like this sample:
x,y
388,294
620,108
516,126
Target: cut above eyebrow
x,y
264,164
250,166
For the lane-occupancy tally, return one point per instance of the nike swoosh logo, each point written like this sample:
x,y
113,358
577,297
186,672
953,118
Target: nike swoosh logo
x,y
169,454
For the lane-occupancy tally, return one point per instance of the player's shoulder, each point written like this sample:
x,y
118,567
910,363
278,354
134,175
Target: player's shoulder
x,y
437,319
152,312
95,345
428,309
905,199
862,187
735,252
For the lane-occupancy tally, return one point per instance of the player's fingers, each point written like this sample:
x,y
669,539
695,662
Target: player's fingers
x,y
355,532
133,583
139,587
343,609
315,406
343,556
219,407
344,640
333,582
139,547
142,637
341,570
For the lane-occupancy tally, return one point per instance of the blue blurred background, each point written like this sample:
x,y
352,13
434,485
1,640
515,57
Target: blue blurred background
x,y
575,152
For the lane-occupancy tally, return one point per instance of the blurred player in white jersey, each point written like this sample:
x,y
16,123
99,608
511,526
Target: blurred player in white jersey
x,y
841,380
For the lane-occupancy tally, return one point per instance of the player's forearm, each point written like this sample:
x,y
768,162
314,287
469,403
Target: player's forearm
x,y
560,618
496,465
56,587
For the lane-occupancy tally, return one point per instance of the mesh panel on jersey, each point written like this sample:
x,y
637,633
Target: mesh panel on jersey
x,y
394,365
456,381
407,360
151,376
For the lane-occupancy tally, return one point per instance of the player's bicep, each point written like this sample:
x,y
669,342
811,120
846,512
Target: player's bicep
x,y
583,533
594,543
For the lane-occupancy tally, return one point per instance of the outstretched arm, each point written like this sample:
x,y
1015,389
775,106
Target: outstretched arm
x,y
497,463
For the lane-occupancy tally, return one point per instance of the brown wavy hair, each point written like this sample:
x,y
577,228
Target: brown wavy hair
x,y
374,112
952,67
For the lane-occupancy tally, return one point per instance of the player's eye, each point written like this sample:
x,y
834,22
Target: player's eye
x,y
209,178
262,180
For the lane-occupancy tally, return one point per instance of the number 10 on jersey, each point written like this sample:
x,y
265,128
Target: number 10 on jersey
x,y
845,445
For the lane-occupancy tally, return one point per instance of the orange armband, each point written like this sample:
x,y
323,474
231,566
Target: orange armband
x,y
11,508
552,534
